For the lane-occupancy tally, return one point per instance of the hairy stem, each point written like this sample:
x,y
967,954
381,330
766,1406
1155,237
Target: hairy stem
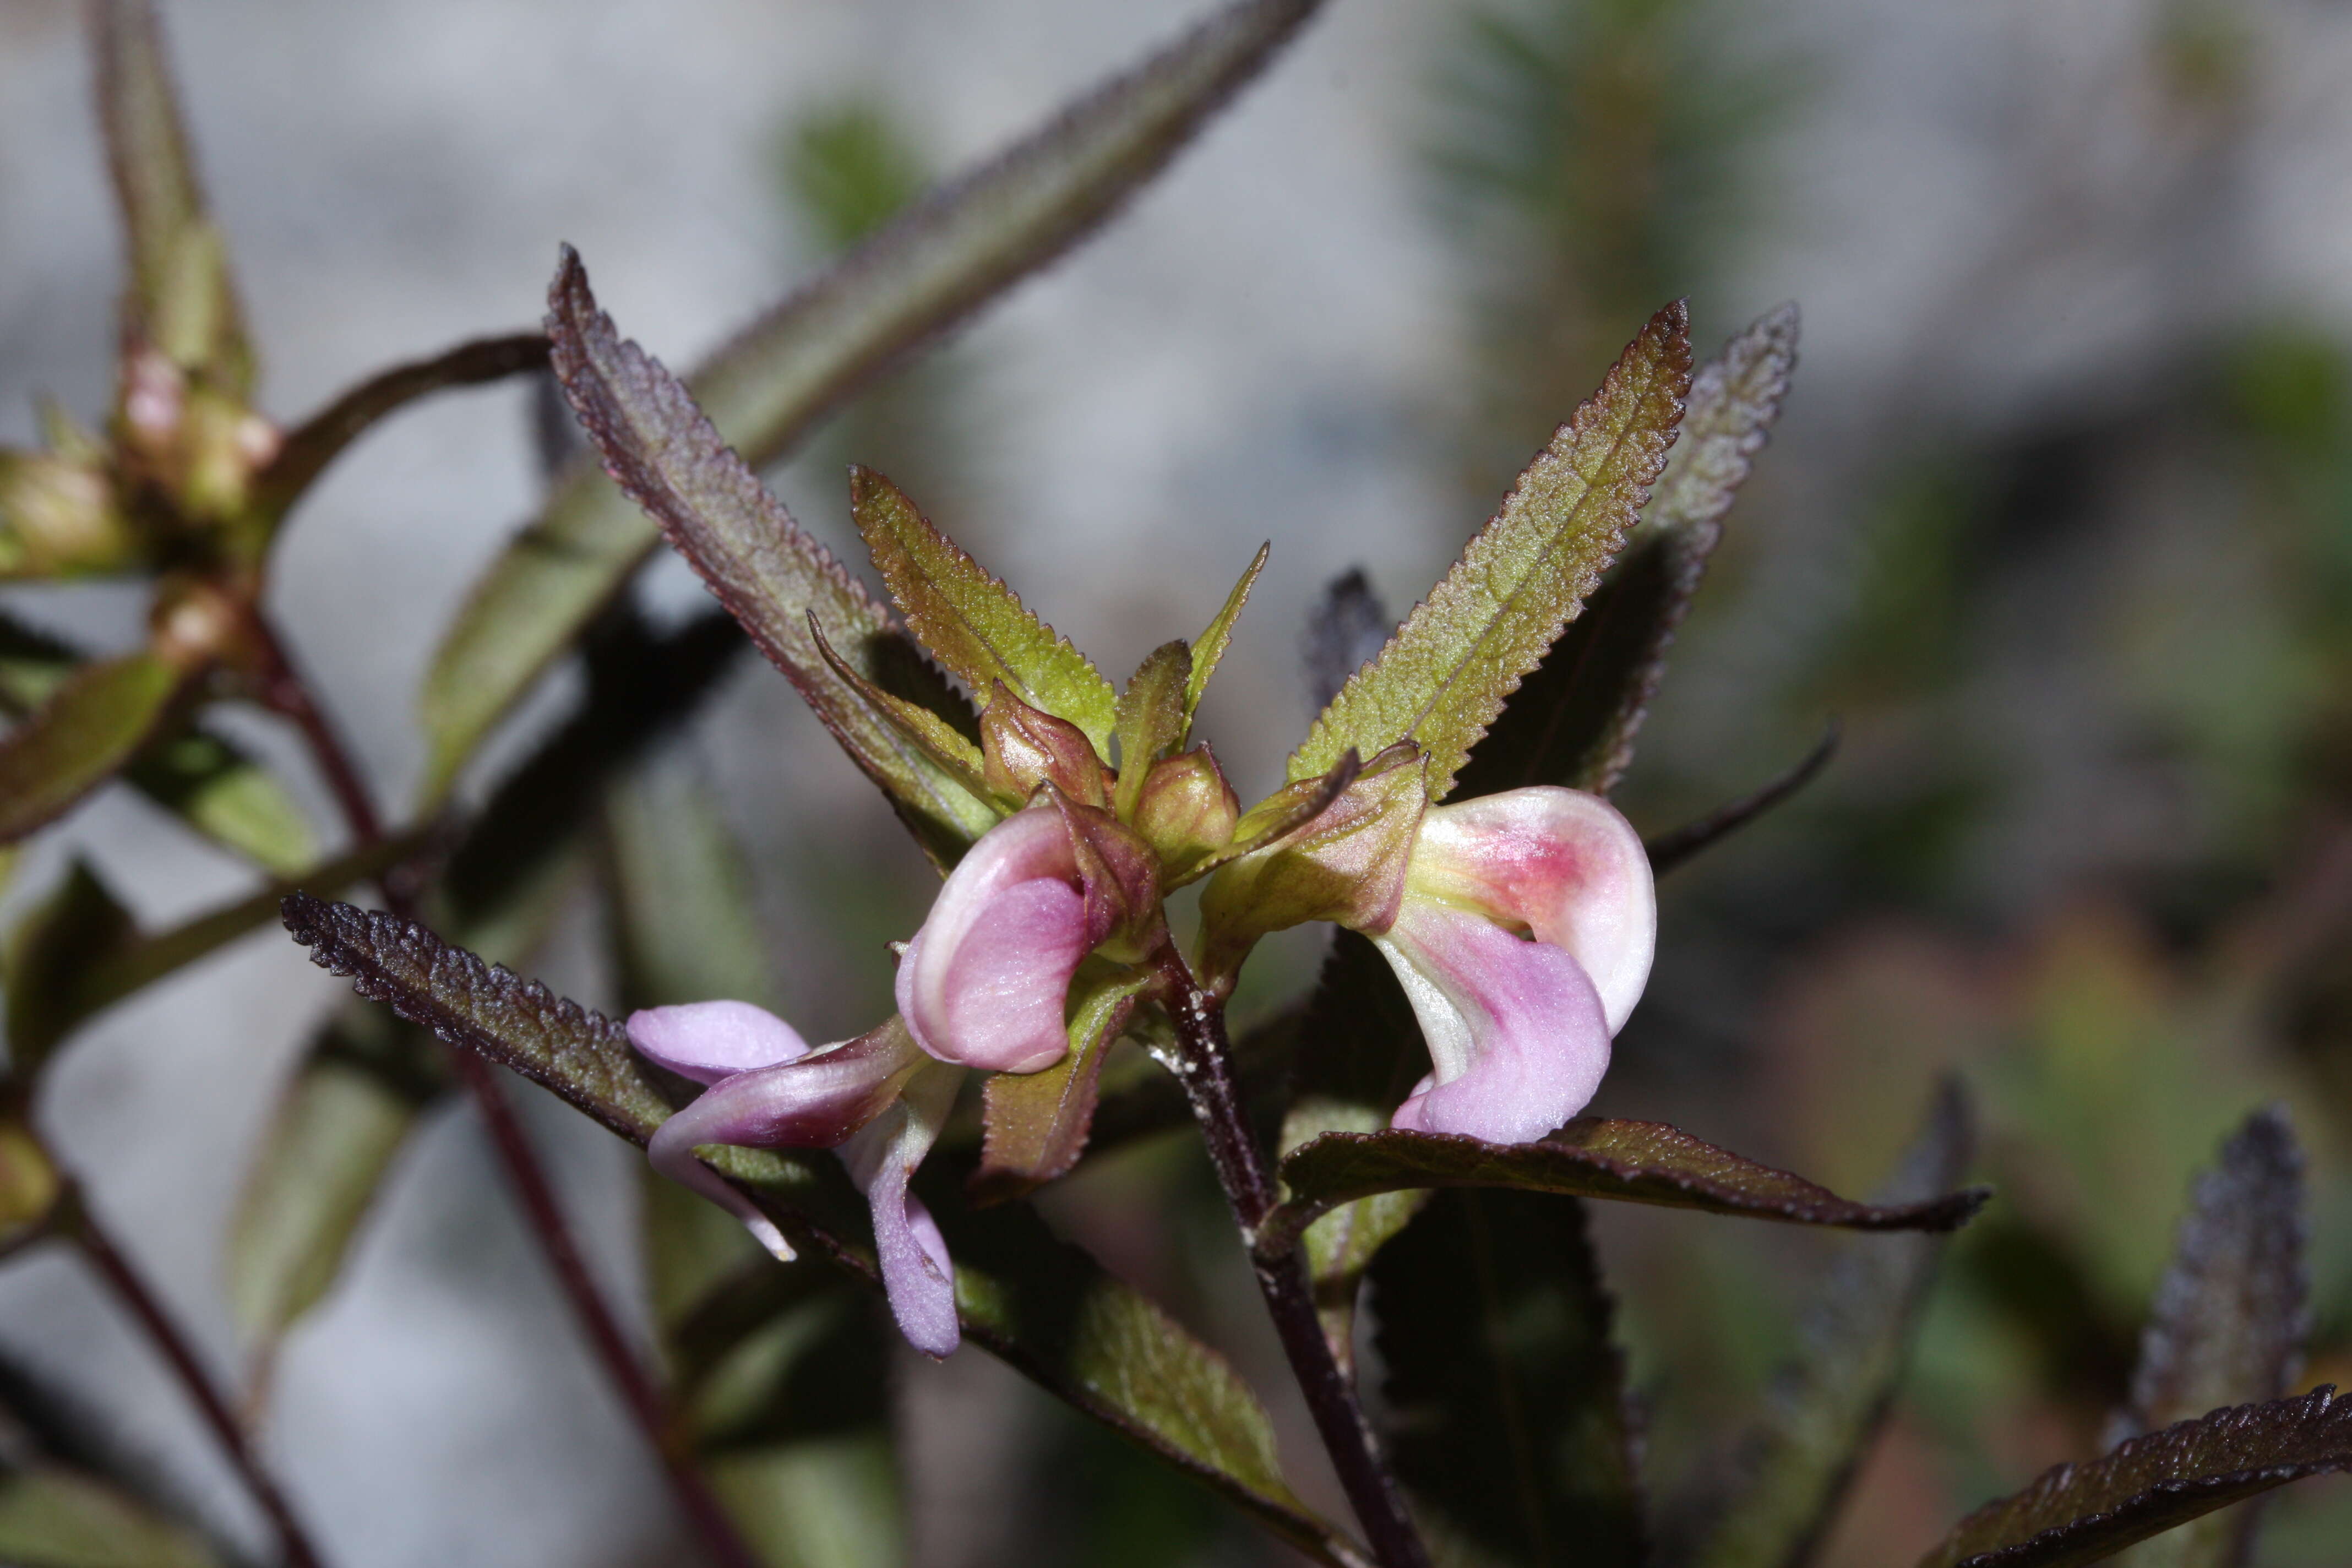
x,y
1205,1065
130,1289
284,690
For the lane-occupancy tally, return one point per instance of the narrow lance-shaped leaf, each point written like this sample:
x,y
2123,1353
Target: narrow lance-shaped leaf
x,y
1044,1307
208,782
1509,1422
83,735
1445,675
915,278
1209,648
770,575
1634,1162
2081,1513
1795,1465
972,623
1672,847
2229,1319
1345,631
1153,720
1575,718
179,297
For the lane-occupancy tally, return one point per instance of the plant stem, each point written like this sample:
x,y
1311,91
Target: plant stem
x,y
124,1280
1205,1067
284,689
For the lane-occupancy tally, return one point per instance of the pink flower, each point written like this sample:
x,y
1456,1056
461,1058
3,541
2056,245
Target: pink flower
x,y
876,1097
985,980
1523,940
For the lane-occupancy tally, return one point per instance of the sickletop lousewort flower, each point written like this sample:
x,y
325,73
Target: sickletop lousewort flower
x,y
1520,924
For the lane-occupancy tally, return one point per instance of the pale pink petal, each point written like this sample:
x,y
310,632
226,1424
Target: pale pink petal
x,y
814,1102
917,1273
1565,865
707,1041
984,981
1516,1034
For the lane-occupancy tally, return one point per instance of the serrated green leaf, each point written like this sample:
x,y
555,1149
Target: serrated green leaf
x,y
1044,1305
1209,648
1444,675
1797,1463
2228,1322
179,297
946,746
779,582
2076,1514
1592,1157
92,725
1575,717
910,283
971,622
54,1517
1037,1122
1154,719
1510,1424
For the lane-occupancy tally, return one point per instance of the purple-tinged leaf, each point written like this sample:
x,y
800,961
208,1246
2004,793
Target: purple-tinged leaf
x,y
1592,1157
1037,1122
771,577
915,279
1044,1307
83,735
1209,648
81,953
2229,1321
1509,1422
971,622
948,747
319,440
2081,1513
1346,630
1575,717
1794,1466
1448,670
1671,849
180,298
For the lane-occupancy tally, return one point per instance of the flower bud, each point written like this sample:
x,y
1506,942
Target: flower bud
x,y
1023,747
57,517
1187,810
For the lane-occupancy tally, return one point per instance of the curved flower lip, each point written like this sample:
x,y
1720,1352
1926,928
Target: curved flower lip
x,y
917,1273
985,981
1517,1036
1559,862
708,1041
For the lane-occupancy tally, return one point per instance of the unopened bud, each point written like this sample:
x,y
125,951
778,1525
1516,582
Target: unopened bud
x,y
58,516
1187,810
1022,747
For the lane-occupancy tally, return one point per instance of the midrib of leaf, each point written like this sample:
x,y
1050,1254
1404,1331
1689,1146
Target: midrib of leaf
x,y
1455,697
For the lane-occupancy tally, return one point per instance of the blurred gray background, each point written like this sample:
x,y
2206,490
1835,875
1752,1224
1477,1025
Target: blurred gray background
x,y
2011,227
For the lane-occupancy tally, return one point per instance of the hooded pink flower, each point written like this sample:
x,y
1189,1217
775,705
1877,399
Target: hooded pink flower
x,y
985,980
1523,940
874,1098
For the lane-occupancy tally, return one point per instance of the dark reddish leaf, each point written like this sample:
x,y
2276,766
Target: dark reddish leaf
x,y
2080,1513
1634,1162
1668,850
1507,1417
1345,631
1045,1307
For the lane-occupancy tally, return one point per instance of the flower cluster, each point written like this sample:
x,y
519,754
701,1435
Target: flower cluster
x,y
1520,924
